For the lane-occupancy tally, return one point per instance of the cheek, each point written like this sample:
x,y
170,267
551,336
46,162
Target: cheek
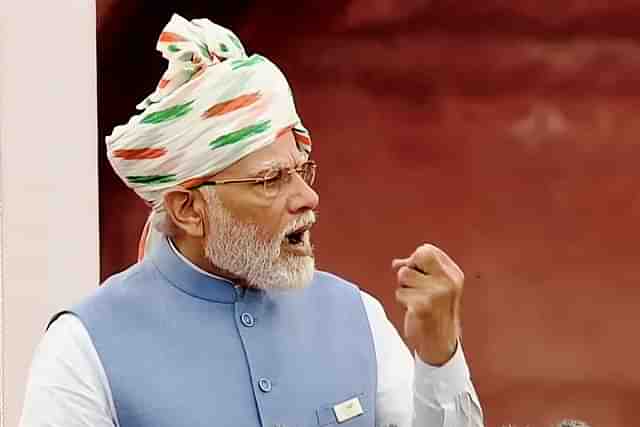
x,y
270,216
272,220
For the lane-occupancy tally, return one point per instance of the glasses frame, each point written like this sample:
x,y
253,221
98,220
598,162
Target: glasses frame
x,y
263,179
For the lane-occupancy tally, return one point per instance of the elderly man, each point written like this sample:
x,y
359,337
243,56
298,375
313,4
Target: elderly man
x,y
224,320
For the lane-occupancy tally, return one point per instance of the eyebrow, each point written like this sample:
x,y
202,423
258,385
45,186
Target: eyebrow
x,y
265,167
271,165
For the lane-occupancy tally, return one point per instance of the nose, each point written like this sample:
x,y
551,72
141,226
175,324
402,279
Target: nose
x,y
303,198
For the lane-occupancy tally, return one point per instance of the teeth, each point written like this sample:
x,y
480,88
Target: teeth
x,y
297,236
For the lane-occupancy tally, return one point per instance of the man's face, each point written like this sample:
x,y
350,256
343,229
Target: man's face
x,y
264,240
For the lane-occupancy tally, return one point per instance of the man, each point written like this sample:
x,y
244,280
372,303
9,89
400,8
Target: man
x,y
224,321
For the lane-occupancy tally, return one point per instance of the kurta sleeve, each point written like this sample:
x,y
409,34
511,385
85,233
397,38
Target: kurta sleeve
x,y
413,393
67,386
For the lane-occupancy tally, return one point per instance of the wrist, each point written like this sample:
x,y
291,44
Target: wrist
x,y
437,353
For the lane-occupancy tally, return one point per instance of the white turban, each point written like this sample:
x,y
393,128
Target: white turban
x,y
213,106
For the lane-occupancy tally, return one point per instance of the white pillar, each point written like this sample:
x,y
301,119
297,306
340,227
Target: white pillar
x,y
48,175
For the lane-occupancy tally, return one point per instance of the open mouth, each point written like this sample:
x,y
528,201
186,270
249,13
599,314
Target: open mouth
x,y
296,237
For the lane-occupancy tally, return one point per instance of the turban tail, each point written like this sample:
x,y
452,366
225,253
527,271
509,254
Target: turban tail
x,y
213,106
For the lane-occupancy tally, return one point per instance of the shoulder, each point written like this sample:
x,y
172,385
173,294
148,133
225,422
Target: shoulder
x,y
334,291
325,283
372,304
326,277
380,323
132,274
124,281
121,289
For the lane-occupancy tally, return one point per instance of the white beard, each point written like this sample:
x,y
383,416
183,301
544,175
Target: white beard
x,y
237,248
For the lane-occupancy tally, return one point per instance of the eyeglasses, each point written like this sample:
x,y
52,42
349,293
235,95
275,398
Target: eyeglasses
x,y
273,180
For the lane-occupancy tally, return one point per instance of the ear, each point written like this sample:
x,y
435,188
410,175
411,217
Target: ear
x,y
188,211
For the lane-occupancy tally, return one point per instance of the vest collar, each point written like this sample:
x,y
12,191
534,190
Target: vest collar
x,y
188,279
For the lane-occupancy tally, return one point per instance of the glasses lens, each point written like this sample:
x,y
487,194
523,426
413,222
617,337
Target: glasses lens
x,y
272,181
308,173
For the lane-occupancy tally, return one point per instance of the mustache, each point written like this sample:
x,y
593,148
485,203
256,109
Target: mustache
x,y
308,219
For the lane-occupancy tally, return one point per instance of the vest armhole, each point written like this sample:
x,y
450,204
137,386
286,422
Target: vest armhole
x,y
375,367
56,316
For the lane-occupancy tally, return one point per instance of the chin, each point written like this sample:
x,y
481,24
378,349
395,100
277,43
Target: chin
x,y
293,272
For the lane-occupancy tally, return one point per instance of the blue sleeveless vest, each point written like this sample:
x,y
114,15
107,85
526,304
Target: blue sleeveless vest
x,y
181,349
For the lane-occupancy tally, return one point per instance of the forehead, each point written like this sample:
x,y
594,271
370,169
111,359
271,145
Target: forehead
x,y
283,152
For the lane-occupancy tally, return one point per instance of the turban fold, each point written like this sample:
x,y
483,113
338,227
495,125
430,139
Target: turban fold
x,y
213,106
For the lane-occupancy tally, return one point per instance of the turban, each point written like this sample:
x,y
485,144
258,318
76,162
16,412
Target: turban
x,y
213,106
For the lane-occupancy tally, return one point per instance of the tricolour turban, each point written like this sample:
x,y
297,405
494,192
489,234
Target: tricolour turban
x,y
213,106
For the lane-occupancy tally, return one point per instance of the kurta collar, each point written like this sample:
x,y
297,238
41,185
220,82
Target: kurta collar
x,y
185,277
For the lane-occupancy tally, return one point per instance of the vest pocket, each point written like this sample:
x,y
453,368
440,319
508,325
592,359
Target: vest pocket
x,y
346,411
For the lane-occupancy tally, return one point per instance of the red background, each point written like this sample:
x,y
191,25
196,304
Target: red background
x,y
504,132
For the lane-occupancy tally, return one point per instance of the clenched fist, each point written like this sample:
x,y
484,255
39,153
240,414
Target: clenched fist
x,y
430,288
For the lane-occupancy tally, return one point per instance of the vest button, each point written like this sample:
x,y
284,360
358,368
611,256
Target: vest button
x,y
247,320
264,384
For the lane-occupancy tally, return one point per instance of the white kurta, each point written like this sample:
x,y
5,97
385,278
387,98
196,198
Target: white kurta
x,y
68,387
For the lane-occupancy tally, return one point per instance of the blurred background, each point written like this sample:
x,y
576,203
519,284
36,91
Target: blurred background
x,y
503,131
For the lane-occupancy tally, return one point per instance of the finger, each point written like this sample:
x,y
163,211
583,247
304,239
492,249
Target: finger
x,y
430,292
408,277
426,258
411,278
411,301
399,262
448,268
433,260
408,296
446,264
419,299
420,259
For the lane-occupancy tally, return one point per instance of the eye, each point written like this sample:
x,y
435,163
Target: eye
x,y
272,176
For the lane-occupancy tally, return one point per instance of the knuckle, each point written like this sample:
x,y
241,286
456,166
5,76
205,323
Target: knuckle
x,y
426,250
423,255
427,246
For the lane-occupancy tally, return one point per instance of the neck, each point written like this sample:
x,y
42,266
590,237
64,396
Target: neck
x,y
194,252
